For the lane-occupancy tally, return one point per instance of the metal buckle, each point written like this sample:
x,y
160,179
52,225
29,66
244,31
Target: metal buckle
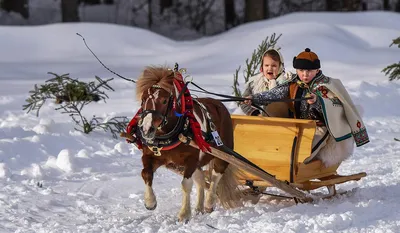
x,y
156,150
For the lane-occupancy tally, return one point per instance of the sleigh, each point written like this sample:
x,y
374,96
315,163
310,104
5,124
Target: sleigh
x,y
270,151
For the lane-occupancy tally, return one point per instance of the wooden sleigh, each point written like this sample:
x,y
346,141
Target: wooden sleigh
x,y
275,149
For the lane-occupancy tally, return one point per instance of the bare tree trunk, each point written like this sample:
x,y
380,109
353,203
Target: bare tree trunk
x,y
397,8
150,14
351,5
333,5
89,2
364,6
69,11
19,6
164,4
254,10
386,5
230,14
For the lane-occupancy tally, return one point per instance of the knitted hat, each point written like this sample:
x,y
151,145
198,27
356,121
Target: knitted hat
x,y
306,60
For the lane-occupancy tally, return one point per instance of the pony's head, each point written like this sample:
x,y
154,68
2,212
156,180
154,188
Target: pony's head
x,y
155,90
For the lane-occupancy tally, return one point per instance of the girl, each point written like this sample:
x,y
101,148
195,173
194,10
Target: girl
x,y
272,73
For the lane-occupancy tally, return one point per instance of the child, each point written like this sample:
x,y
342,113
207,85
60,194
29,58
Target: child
x,y
272,73
339,124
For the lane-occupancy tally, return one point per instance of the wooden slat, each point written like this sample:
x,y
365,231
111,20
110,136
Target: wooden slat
x,y
313,170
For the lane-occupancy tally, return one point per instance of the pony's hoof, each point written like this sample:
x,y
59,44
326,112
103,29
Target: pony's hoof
x,y
199,211
183,219
209,209
151,207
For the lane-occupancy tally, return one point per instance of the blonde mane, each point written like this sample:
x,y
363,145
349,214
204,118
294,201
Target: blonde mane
x,y
154,75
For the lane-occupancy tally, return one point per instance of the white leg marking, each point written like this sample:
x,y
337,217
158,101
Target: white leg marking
x,y
198,178
185,212
211,193
149,198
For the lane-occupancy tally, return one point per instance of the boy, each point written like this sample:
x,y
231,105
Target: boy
x,y
339,124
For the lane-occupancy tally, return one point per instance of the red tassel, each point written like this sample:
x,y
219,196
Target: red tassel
x,y
131,126
198,137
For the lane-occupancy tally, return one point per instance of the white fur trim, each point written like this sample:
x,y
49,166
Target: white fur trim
x,y
336,152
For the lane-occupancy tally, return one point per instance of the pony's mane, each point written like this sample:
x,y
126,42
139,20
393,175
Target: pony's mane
x,y
154,75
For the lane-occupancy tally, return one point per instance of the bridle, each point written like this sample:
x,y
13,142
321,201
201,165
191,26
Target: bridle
x,y
163,116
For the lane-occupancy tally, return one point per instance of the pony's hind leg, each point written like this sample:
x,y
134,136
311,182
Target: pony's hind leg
x,y
218,168
211,193
198,178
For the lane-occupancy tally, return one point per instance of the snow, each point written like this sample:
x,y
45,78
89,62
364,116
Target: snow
x,y
56,179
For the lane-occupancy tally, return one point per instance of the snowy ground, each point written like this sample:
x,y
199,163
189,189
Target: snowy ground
x,y
92,183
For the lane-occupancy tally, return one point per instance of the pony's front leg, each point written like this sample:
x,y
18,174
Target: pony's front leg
x,y
187,185
211,194
185,212
198,178
150,201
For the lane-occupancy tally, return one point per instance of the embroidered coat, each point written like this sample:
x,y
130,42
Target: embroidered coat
x,y
333,108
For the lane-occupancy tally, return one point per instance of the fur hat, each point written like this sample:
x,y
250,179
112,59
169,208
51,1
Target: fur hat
x,y
306,60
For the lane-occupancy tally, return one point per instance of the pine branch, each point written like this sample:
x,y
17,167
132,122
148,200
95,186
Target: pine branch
x,y
71,94
115,125
393,70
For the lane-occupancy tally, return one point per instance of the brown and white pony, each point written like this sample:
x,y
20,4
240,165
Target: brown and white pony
x,y
159,124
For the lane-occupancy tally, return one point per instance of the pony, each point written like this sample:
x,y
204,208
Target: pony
x,y
164,115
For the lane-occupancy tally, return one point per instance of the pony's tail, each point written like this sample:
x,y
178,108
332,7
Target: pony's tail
x,y
228,191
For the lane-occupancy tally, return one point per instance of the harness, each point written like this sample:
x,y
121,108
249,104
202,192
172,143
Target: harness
x,y
186,125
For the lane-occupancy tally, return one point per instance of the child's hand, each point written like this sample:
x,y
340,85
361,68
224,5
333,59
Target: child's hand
x,y
313,98
248,101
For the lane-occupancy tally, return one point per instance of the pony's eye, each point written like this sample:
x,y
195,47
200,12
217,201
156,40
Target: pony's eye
x,y
164,102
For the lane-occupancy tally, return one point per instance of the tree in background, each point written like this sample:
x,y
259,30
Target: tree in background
x,y
393,70
165,4
256,10
69,11
18,6
230,14
386,5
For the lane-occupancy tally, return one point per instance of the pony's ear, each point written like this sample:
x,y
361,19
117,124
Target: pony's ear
x,y
146,72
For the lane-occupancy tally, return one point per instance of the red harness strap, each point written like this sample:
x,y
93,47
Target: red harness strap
x,y
187,109
131,128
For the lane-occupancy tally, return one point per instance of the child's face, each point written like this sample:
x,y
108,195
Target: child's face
x,y
270,68
306,75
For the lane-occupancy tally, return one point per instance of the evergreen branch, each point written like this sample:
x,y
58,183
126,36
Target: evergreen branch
x,y
393,70
115,125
